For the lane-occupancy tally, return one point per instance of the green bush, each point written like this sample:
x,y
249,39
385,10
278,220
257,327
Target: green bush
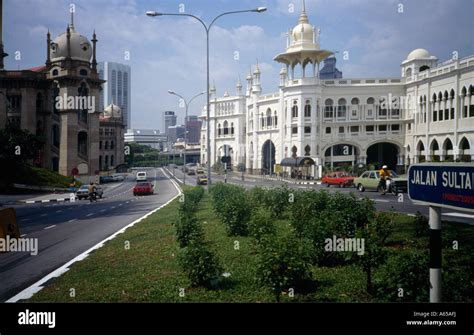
x,y
283,262
191,199
458,276
188,229
232,207
420,225
375,233
306,206
276,200
403,270
261,224
200,264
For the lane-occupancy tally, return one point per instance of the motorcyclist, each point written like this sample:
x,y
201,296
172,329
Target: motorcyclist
x,y
384,174
92,191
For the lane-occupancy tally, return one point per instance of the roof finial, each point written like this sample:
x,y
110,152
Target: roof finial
x,y
72,10
303,16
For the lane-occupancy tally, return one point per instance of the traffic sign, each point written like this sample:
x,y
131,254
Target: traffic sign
x,y
447,185
225,159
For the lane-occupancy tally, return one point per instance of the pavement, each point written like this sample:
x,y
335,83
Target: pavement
x,y
67,229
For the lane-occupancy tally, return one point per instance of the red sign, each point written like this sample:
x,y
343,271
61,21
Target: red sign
x,y
75,172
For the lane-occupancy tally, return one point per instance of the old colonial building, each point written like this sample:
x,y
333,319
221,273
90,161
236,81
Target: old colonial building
x,y
60,102
426,114
111,138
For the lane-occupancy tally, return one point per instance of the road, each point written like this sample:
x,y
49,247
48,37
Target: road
x,y
65,230
382,202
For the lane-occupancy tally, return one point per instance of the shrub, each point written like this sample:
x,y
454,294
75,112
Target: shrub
x,y
306,206
403,270
200,264
283,262
374,234
276,200
191,199
188,229
232,208
261,224
420,225
458,276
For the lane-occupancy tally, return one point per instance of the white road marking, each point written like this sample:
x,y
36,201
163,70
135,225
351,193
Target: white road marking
x,y
113,207
72,220
381,200
49,227
24,220
411,214
30,201
38,286
120,205
59,211
44,200
90,214
23,235
103,210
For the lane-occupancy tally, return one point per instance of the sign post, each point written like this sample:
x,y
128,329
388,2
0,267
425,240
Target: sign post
x,y
440,185
225,160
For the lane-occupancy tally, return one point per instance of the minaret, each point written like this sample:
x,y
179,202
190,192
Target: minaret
x,y
48,49
2,51
303,16
249,83
239,87
94,50
68,35
212,90
256,87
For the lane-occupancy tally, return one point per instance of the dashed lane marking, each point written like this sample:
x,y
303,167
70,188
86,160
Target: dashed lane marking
x,y
49,227
90,214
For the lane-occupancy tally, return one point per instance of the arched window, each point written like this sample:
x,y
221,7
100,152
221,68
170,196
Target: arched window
x,y
106,163
106,145
55,72
83,72
39,103
294,109
355,101
341,108
370,101
307,150
112,160
328,130
424,68
226,128
100,145
82,143
328,108
276,119
269,117
83,113
232,128
307,109
100,163
111,145
219,131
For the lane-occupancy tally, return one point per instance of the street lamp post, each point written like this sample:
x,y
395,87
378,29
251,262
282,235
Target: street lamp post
x,y
186,104
208,105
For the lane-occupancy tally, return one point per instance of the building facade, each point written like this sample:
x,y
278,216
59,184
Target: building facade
x,y
58,101
111,138
193,128
169,120
150,137
117,89
426,114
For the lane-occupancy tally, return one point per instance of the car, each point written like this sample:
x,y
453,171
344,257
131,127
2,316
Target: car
x,y
369,180
188,167
105,179
143,188
201,179
339,178
200,171
191,171
117,177
83,192
141,176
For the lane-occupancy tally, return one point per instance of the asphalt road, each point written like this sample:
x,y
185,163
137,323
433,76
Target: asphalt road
x,y
65,230
382,202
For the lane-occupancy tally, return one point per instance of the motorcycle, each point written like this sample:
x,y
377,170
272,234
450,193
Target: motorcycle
x,y
389,187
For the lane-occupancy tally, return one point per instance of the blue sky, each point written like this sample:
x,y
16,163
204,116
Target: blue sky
x,y
169,52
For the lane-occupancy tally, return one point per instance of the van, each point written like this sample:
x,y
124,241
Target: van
x,y
141,176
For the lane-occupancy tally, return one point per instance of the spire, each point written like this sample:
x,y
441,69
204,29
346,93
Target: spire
x,y
303,16
3,54
48,48
68,36
94,51
71,25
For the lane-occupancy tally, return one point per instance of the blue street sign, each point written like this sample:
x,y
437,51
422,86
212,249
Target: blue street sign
x,y
449,185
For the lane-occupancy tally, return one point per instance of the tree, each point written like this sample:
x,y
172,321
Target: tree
x,y
19,147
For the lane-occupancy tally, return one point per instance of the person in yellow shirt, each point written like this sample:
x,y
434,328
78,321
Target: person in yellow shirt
x,y
384,174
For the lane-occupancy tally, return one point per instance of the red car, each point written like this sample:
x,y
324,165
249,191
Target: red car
x,y
143,188
341,179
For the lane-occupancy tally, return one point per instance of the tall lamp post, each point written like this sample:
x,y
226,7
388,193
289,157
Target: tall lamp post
x,y
186,104
208,106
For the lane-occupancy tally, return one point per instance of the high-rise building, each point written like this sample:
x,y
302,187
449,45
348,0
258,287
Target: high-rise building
x,y
329,70
117,89
175,133
169,120
193,127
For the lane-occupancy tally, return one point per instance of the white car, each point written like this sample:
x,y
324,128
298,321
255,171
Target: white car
x,y
141,176
117,177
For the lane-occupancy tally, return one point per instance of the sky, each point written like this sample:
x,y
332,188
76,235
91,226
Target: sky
x,y
168,52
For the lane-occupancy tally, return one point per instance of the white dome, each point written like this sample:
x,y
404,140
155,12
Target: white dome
x,y
81,48
419,54
113,111
307,30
